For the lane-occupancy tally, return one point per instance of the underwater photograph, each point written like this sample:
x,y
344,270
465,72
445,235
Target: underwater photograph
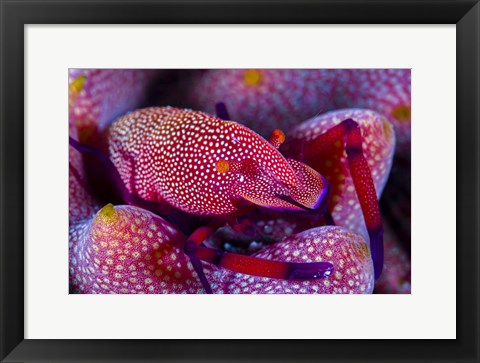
x,y
239,181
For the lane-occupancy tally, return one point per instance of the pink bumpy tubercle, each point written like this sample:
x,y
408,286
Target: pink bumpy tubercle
x,y
128,250
82,205
378,145
396,275
104,95
346,250
264,99
387,91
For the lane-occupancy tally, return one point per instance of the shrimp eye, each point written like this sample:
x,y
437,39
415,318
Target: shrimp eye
x,y
223,166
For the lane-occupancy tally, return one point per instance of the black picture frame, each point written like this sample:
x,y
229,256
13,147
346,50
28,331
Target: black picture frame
x,y
15,14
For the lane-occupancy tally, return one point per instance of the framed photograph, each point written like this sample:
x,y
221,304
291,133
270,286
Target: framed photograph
x,y
243,181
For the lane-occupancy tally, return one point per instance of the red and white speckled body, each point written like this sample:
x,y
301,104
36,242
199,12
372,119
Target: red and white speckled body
x,y
170,154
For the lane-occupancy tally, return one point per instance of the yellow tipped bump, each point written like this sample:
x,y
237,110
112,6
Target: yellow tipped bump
x,y
364,250
77,84
402,113
223,166
387,128
107,213
252,77
74,89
